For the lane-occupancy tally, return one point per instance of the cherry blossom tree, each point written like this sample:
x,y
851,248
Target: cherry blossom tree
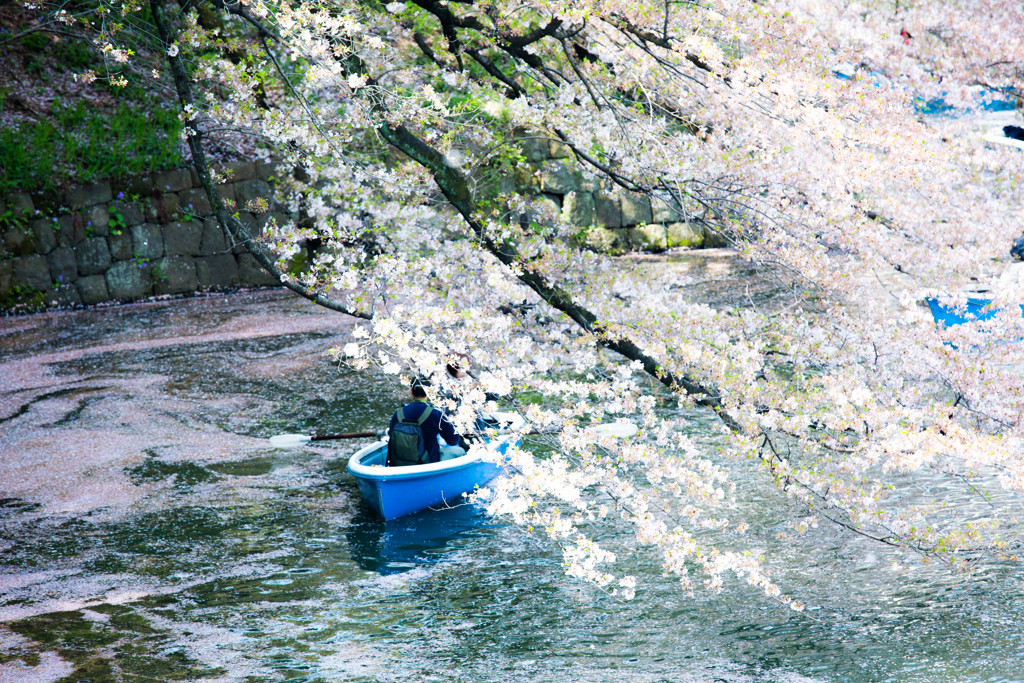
x,y
791,128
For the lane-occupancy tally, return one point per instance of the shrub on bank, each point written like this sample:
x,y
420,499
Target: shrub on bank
x,y
79,144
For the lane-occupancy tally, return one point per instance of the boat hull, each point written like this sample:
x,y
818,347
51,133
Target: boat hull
x,y
397,491
975,310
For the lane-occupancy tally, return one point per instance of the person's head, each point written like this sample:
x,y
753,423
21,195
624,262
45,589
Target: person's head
x,y
1018,248
458,365
418,387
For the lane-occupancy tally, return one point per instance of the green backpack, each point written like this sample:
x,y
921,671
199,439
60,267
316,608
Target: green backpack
x,y
406,445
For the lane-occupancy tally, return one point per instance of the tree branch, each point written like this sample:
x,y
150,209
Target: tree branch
x,y
228,223
456,188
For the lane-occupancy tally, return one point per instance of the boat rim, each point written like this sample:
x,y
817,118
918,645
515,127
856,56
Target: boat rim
x,y
356,467
972,297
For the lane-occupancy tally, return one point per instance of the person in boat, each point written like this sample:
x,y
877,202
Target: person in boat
x,y
458,369
415,428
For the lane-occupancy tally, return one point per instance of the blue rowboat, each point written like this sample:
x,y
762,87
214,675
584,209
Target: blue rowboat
x,y
976,309
397,491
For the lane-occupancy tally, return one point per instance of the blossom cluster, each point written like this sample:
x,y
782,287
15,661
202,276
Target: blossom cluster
x,y
791,128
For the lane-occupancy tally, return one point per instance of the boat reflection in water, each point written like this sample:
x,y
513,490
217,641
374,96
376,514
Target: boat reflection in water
x,y
416,540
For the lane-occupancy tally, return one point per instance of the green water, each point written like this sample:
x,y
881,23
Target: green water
x,y
149,533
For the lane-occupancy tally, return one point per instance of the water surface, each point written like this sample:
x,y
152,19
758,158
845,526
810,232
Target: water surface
x,y
149,533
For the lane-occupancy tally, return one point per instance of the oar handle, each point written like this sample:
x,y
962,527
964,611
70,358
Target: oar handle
x,y
345,435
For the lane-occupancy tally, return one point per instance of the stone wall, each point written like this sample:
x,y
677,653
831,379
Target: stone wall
x,y
122,241
613,220
146,236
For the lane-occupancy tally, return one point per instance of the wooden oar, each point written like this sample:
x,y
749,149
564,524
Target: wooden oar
x,y
294,440
617,429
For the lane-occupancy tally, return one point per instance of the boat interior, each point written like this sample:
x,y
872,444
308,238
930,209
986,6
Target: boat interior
x,y
377,456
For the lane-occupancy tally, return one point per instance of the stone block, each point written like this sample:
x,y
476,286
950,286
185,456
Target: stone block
x,y
151,210
262,221
252,191
534,148
80,231
120,245
715,238
18,241
526,179
32,271
606,240
175,180
66,232
249,224
88,195
456,155
265,170
506,183
544,208
147,241
92,289
608,210
141,185
6,275
227,193
635,210
128,280
495,182
214,240
62,264
283,217
130,213
253,223
169,205
559,177
65,295
684,235
578,209
258,226
251,273
558,150
649,237
97,221
237,170
195,202
174,275
183,239
218,272
93,256
664,212
45,240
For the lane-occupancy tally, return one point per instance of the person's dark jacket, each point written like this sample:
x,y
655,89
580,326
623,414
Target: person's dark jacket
x,y
436,424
